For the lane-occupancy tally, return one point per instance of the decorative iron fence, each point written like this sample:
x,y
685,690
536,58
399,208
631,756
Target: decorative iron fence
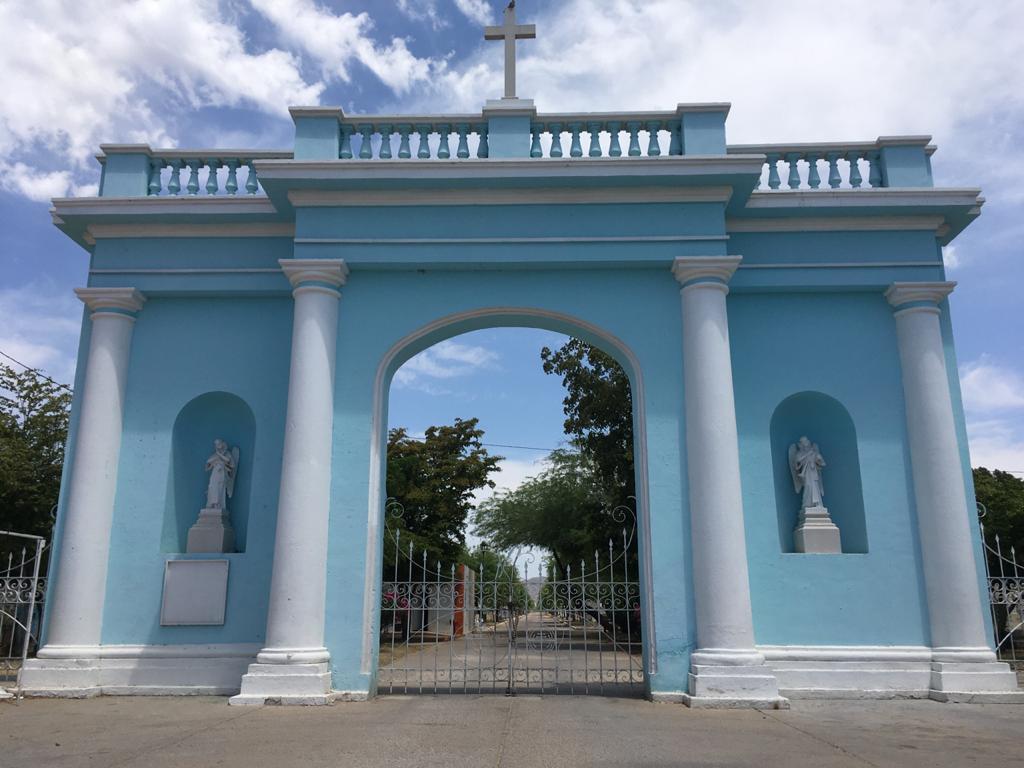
x,y
22,592
517,627
1005,578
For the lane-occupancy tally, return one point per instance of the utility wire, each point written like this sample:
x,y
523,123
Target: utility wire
x,y
36,371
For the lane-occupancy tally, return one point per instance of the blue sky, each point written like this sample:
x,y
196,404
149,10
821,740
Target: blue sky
x,y
207,73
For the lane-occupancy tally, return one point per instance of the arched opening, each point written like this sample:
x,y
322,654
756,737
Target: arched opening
x,y
510,620
823,420
208,417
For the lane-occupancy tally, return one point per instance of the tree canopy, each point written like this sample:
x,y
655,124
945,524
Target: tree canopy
x,y
432,482
1002,494
34,416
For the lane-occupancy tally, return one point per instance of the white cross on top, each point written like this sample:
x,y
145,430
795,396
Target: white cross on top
x,y
510,32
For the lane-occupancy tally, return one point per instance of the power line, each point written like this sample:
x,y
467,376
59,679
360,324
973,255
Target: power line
x,y
36,371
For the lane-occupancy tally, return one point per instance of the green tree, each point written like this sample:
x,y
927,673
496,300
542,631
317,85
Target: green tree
x,y
598,409
1002,494
562,510
499,584
431,483
33,429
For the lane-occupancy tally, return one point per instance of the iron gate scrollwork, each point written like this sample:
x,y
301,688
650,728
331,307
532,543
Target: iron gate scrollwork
x,y
517,627
22,591
1005,582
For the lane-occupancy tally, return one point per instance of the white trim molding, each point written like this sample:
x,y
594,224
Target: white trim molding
x,y
120,299
902,294
836,224
308,198
252,229
686,269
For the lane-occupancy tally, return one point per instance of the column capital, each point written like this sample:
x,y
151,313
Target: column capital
x,y
918,296
112,301
712,270
325,275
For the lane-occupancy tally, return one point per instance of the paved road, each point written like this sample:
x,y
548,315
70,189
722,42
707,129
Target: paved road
x,y
525,731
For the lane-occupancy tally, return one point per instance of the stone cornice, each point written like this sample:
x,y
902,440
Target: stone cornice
x,y
918,294
120,300
719,269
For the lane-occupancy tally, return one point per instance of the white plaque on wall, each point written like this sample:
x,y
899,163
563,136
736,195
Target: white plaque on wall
x,y
195,592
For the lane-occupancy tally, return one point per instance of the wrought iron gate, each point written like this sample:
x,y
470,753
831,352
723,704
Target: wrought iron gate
x,y
22,590
1006,597
518,627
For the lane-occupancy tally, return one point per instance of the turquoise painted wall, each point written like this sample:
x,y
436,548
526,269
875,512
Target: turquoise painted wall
x,y
204,332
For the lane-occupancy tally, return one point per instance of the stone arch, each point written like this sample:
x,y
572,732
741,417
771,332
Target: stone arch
x,y
501,317
206,417
827,422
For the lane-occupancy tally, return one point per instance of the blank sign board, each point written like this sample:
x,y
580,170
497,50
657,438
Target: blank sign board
x,y
195,592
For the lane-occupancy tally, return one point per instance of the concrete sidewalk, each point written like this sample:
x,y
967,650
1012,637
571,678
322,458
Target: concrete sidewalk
x,y
497,731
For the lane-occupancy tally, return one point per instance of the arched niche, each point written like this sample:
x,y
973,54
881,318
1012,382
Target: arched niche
x,y
203,419
826,422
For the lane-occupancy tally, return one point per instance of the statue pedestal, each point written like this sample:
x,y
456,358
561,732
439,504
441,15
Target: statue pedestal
x,y
211,533
816,533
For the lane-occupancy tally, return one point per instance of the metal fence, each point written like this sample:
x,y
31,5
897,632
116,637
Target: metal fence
x,y
1005,578
517,627
22,592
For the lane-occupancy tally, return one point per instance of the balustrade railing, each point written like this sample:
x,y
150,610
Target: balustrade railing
x,y
209,172
816,166
606,135
386,138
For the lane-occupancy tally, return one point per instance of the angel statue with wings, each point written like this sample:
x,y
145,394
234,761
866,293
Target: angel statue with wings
x,y
805,465
222,466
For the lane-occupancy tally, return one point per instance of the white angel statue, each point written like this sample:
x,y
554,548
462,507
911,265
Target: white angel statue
x,y
222,466
805,465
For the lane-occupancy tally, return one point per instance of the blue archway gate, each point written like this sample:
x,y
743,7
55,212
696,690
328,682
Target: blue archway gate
x,y
513,624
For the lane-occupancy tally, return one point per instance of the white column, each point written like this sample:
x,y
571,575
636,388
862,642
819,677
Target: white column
x,y
962,658
68,663
726,669
293,668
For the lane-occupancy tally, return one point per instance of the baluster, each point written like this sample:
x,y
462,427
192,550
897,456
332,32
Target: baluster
x,y
463,150
556,140
154,186
384,153
211,181
813,179
174,183
346,142
443,150
252,184
855,178
614,150
653,141
423,153
366,149
773,171
404,150
874,168
793,158
193,177
575,148
675,143
595,139
231,187
834,179
483,150
535,148
634,138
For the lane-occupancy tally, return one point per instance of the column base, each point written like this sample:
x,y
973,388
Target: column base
x,y
974,682
66,677
212,533
295,684
732,679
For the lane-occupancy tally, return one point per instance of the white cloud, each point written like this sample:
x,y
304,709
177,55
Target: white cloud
x,y
951,256
423,10
40,328
989,387
338,41
996,444
514,472
475,10
445,360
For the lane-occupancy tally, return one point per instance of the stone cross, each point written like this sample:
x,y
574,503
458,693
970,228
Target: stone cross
x,y
510,32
